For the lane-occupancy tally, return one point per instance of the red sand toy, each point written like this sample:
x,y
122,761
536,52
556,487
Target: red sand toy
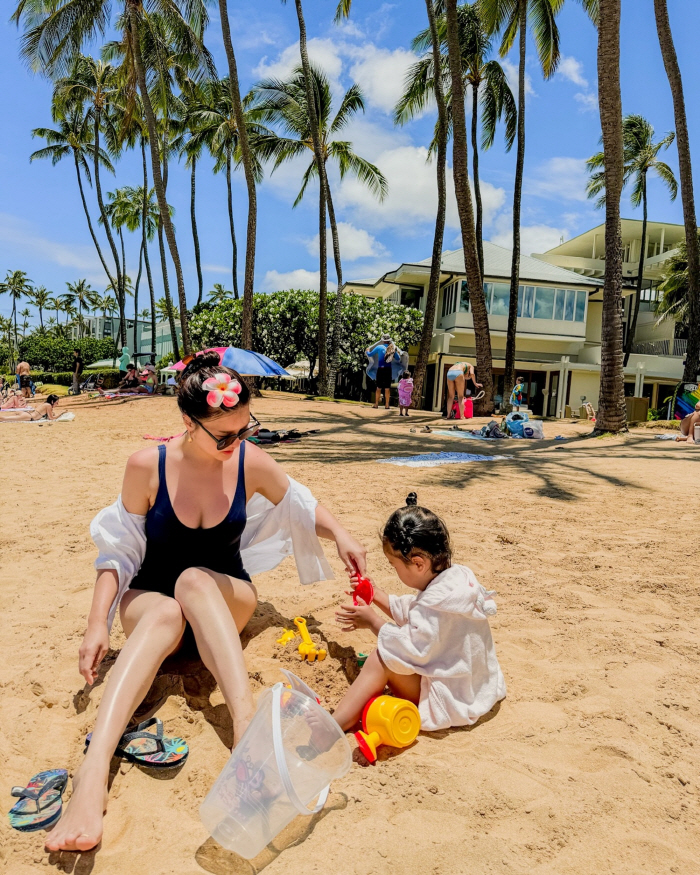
x,y
363,590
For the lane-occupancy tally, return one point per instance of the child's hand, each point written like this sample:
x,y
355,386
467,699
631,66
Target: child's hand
x,y
359,616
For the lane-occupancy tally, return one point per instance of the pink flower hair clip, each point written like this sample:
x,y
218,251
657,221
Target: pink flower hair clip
x,y
222,389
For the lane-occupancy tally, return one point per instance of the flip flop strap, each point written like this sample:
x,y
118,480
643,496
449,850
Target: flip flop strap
x,y
140,732
35,793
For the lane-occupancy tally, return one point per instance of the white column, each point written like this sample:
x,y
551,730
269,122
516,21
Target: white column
x,y
663,237
639,381
563,377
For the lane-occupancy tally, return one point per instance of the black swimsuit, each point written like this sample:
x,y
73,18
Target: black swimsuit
x,y
172,547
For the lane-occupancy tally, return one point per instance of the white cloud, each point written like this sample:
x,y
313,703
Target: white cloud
x,y
324,53
275,280
412,198
572,69
559,179
380,73
355,243
511,71
533,238
216,268
588,101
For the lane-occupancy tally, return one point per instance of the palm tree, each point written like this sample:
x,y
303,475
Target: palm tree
x,y
115,211
55,305
73,136
56,31
435,264
83,295
40,299
17,285
218,294
673,72
145,313
640,157
491,94
250,178
164,309
611,403
284,103
675,301
25,314
460,172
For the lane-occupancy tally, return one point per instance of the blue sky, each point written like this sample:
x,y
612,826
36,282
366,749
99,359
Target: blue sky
x,y
43,229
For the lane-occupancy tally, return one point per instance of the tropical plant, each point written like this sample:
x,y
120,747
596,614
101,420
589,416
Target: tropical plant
x,y
492,98
73,136
640,157
40,298
25,314
165,309
81,293
55,32
192,99
611,400
218,294
17,285
284,103
674,302
56,353
465,208
673,72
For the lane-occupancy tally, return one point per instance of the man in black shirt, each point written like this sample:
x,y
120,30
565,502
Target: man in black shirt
x,y
77,371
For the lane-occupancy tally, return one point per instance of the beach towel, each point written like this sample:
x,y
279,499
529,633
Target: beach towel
x,y
68,416
475,436
432,460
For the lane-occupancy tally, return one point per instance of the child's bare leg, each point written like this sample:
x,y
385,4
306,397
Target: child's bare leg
x,y
155,625
371,682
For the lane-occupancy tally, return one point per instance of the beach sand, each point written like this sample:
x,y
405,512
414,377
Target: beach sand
x,y
590,765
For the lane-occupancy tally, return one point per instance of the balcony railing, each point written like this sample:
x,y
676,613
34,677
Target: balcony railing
x,y
675,348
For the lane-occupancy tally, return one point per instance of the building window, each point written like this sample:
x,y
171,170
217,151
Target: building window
x,y
559,295
580,306
526,298
500,299
544,303
464,302
411,298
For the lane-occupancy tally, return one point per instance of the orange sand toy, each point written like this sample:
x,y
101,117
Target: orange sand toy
x,y
307,649
387,720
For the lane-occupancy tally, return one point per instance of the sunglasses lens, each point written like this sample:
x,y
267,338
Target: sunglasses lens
x,y
227,441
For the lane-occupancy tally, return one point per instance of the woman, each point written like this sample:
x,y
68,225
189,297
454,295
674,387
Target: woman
x,y
176,553
386,363
41,411
688,424
457,377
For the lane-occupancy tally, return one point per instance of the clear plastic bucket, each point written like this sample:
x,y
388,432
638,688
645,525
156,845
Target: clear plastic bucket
x,y
275,772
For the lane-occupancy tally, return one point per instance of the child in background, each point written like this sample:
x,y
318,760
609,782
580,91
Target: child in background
x,y
516,396
405,392
436,650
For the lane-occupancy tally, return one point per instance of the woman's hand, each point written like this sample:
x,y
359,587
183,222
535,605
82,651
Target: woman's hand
x,y
352,553
359,616
92,651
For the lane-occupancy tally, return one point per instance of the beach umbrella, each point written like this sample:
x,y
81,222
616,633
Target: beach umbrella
x,y
180,366
251,364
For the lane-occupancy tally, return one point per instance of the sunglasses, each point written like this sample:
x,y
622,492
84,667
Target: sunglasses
x,y
229,439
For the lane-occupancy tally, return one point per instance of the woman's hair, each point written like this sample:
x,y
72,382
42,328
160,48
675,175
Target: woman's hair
x,y
406,376
417,531
52,399
192,398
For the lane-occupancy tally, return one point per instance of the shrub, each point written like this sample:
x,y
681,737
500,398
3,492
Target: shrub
x,y
65,378
56,353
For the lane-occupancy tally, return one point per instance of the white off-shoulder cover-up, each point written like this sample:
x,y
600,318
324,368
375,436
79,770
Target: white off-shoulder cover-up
x,y
272,533
443,634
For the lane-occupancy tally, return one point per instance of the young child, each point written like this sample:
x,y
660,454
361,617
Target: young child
x,y
405,392
516,396
436,649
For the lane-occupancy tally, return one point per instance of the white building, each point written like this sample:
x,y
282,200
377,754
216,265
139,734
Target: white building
x,y
103,327
558,328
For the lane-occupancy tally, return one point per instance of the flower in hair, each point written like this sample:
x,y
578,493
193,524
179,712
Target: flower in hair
x,y
222,389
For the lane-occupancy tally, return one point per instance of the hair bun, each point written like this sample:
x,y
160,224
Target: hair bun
x,y
209,359
411,499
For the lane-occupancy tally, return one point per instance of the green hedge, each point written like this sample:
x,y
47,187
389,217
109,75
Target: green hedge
x,y
65,378
55,354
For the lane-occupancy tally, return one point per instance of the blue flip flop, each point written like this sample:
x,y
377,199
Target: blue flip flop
x,y
151,749
40,802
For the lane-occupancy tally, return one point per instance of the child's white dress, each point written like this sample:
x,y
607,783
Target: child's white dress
x,y
443,634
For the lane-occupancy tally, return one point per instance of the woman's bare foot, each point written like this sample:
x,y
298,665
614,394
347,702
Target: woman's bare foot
x,y
80,828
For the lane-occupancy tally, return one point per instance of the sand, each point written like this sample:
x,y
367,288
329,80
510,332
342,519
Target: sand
x,y
589,766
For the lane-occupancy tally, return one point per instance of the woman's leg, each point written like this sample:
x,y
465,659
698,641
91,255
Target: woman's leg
x,y
154,625
460,383
377,396
387,395
371,682
450,396
218,607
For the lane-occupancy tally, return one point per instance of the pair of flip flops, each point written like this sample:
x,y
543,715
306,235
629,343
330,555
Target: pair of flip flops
x,y
40,802
151,749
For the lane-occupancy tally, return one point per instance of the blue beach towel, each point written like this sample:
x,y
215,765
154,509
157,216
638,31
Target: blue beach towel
x,y
432,460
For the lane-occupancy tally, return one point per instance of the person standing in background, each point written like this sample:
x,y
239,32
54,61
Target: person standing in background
x,y
24,380
124,359
77,370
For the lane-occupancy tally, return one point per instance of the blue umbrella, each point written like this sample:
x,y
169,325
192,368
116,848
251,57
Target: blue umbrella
x,y
251,364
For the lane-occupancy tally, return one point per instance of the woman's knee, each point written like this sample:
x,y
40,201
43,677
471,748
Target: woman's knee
x,y
193,582
167,613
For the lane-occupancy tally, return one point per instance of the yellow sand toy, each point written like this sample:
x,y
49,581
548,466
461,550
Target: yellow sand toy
x,y
307,649
287,636
387,720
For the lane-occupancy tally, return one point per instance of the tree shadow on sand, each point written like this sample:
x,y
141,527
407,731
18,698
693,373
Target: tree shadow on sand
x,y
217,860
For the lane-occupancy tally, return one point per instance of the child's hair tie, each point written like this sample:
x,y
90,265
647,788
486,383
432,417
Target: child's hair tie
x,y
222,389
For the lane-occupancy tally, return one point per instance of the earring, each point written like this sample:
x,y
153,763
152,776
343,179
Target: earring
x,y
189,437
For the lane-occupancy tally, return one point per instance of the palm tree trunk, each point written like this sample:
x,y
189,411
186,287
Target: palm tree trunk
x,y
195,235
119,290
477,184
466,213
611,403
509,375
234,247
632,327
136,304
41,318
323,180
322,293
112,282
144,232
164,265
247,161
434,285
166,221
122,310
668,52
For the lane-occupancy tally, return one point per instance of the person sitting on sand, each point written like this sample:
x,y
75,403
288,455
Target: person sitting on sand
x,y
436,649
130,382
179,569
14,400
688,424
41,411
